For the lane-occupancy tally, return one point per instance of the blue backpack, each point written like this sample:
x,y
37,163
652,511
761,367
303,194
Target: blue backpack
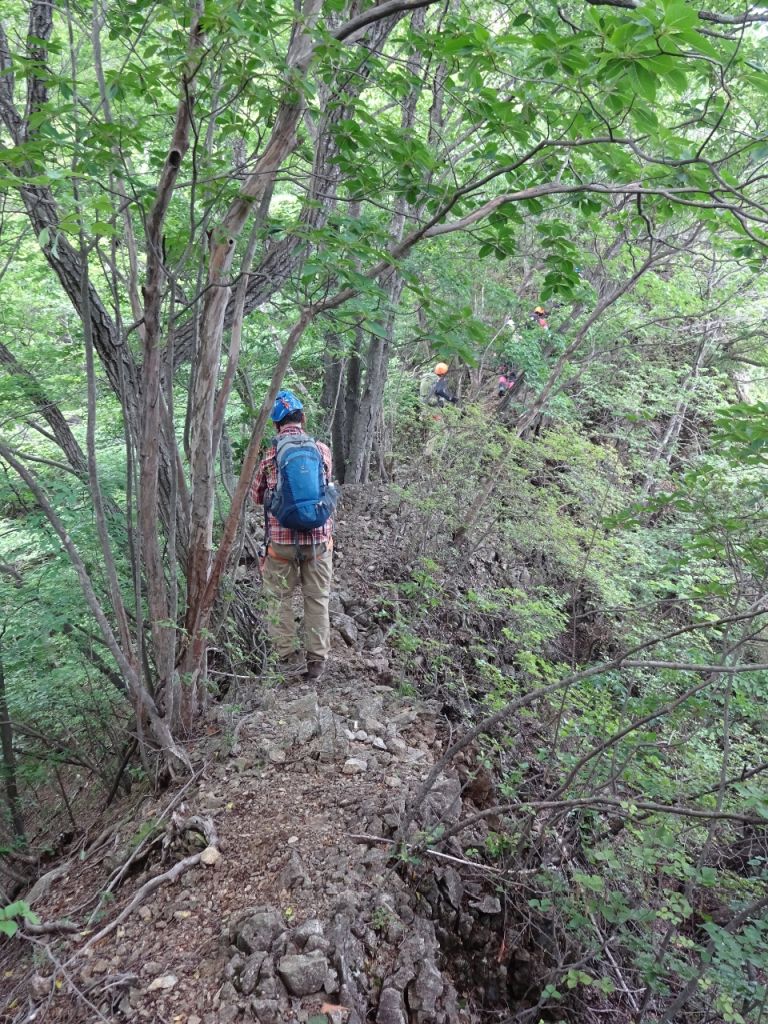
x,y
304,498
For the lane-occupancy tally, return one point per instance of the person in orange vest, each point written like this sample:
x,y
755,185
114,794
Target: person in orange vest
x,y
433,391
507,379
539,317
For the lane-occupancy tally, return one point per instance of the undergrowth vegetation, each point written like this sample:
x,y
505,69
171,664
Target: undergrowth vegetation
x,y
628,809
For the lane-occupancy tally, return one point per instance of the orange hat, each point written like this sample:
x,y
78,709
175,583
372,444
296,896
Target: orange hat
x,y
539,309
441,369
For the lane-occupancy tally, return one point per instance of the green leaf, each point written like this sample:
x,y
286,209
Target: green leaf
x,y
680,15
593,882
759,81
100,227
44,238
699,43
645,81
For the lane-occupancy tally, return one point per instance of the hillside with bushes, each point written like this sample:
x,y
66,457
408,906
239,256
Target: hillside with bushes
x,y
530,784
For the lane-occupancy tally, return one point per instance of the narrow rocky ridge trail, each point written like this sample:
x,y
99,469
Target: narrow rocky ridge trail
x,y
297,908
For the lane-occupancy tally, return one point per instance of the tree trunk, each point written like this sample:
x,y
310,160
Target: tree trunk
x,y
50,412
9,763
369,407
668,443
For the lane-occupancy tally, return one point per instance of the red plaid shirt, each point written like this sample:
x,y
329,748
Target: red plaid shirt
x,y
266,480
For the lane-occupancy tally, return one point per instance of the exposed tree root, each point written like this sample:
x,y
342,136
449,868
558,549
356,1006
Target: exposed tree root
x,y
146,890
194,823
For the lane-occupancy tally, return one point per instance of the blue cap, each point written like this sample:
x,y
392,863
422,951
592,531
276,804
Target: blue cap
x,y
285,403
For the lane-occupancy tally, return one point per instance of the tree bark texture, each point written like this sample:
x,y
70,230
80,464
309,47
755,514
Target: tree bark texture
x,y
10,780
50,412
282,141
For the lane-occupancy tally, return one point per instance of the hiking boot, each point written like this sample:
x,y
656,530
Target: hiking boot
x,y
314,670
292,666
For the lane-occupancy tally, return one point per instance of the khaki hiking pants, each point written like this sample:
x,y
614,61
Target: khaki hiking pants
x,y
282,572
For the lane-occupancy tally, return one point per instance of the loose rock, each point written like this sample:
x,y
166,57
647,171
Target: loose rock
x,y
302,973
258,931
165,982
210,856
391,1008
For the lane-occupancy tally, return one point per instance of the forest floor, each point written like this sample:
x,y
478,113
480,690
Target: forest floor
x,y
300,918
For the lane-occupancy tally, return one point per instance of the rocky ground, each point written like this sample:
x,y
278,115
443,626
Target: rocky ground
x,y
298,910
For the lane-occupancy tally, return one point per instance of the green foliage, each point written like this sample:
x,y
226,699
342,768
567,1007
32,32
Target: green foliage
x,y
8,915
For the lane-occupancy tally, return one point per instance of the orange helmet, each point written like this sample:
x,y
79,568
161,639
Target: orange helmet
x,y
441,369
540,310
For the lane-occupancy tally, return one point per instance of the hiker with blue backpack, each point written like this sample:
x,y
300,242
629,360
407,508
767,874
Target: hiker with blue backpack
x,y
293,484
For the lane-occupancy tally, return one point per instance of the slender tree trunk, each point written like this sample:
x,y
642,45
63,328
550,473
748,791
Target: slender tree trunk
x,y
163,629
49,411
369,407
282,141
9,763
666,446
367,410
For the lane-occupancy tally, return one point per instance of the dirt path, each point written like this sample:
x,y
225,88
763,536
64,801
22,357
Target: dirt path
x,y
297,913
313,768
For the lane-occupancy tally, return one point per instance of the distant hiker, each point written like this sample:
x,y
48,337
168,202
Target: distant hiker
x,y
293,484
433,391
507,380
539,317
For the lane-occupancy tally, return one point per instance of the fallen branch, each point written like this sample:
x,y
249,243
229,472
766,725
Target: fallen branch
x,y
444,856
44,883
599,802
51,927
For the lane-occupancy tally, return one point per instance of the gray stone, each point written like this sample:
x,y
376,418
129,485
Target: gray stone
x,y
426,989
303,974
259,930
333,742
249,976
347,629
305,931
487,905
266,1011
391,1008
293,873
396,746
305,708
354,766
